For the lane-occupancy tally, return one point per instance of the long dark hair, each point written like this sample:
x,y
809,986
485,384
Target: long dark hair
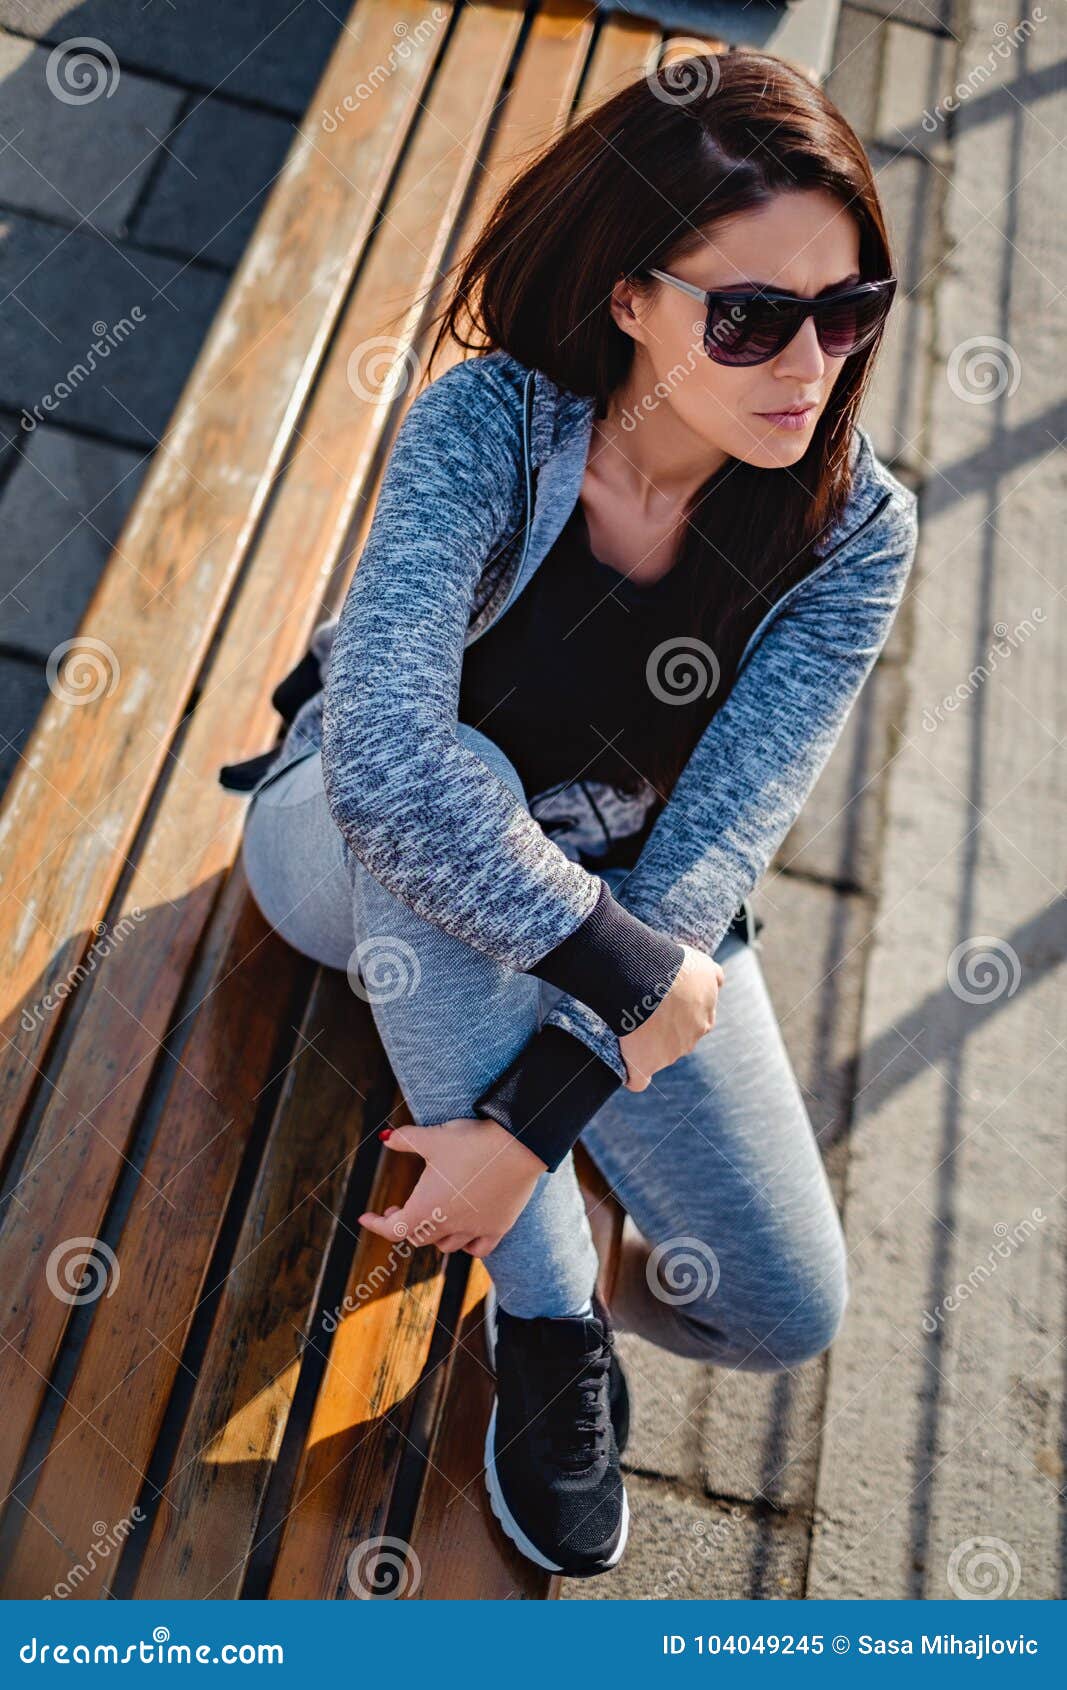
x,y
637,182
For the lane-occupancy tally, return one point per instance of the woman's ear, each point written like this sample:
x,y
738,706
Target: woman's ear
x,y
625,305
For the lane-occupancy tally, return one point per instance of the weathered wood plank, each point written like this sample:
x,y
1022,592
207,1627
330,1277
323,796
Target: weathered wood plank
x,y
194,835
73,806
208,1515
345,1481
106,1431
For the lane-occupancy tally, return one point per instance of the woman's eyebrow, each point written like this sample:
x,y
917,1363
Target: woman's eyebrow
x,y
773,287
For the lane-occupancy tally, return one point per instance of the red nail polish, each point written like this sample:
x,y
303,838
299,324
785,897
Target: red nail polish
x,y
385,1134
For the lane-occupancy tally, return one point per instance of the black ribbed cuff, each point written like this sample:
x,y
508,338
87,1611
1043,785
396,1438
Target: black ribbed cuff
x,y
615,963
548,1093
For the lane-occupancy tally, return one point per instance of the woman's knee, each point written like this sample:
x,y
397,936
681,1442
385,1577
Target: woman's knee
x,y
792,1317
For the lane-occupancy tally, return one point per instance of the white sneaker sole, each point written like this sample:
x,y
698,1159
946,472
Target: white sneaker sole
x,y
507,1520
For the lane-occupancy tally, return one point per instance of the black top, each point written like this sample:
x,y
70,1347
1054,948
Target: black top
x,y
559,682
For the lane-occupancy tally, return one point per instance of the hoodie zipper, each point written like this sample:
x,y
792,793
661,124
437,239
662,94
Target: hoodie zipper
x,y
762,626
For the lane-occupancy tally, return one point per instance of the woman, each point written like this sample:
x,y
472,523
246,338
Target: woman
x,y
630,566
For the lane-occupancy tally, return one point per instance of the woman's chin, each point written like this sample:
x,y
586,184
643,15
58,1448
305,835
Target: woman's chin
x,y
776,454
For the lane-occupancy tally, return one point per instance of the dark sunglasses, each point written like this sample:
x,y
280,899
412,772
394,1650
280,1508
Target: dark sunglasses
x,y
749,328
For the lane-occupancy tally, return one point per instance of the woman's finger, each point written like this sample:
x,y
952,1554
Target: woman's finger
x,y
417,1141
393,1226
482,1246
451,1242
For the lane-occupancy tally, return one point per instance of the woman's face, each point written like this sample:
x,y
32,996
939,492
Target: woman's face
x,y
802,242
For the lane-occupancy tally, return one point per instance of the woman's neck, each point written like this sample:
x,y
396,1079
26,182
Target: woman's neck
x,y
645,451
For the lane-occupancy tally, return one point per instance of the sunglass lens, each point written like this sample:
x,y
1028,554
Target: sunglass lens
x,y
845,327
746,331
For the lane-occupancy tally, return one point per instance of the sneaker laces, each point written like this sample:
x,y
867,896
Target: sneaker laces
x,y
577,1417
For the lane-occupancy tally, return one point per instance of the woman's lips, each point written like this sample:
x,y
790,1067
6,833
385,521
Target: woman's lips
x,y
789,419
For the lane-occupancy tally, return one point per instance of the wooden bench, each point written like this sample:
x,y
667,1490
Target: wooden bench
x,y
185,1100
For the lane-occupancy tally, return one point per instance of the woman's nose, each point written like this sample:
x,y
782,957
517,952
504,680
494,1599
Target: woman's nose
x,y
803,358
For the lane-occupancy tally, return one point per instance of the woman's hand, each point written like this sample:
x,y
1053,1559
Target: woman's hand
x,y
682,1017
477,1181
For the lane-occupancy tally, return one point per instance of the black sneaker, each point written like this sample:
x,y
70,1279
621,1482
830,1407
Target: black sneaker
x,y
551,1455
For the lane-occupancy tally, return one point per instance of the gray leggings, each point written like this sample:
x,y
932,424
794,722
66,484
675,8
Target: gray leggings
x,y
716,1164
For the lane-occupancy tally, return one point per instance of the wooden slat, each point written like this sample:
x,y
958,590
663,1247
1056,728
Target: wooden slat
x,y
106,1431
207,1519
74,803
193,838
625,49
363,1411
462,1552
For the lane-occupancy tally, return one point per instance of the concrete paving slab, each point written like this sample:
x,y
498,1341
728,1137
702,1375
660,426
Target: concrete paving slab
x,y
50,328
917,78
61,512
836,837
269,52
855,78
814,954
23,690
685,1547
940,1464
82,139
893,411
220,163
944,15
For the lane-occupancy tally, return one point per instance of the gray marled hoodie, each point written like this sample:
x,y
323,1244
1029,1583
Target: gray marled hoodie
x,y
457,533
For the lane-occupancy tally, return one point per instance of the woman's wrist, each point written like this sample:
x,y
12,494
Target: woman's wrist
x,y
615,963
548,1093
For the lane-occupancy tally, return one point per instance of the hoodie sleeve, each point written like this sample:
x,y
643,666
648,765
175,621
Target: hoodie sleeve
x,y
425,815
